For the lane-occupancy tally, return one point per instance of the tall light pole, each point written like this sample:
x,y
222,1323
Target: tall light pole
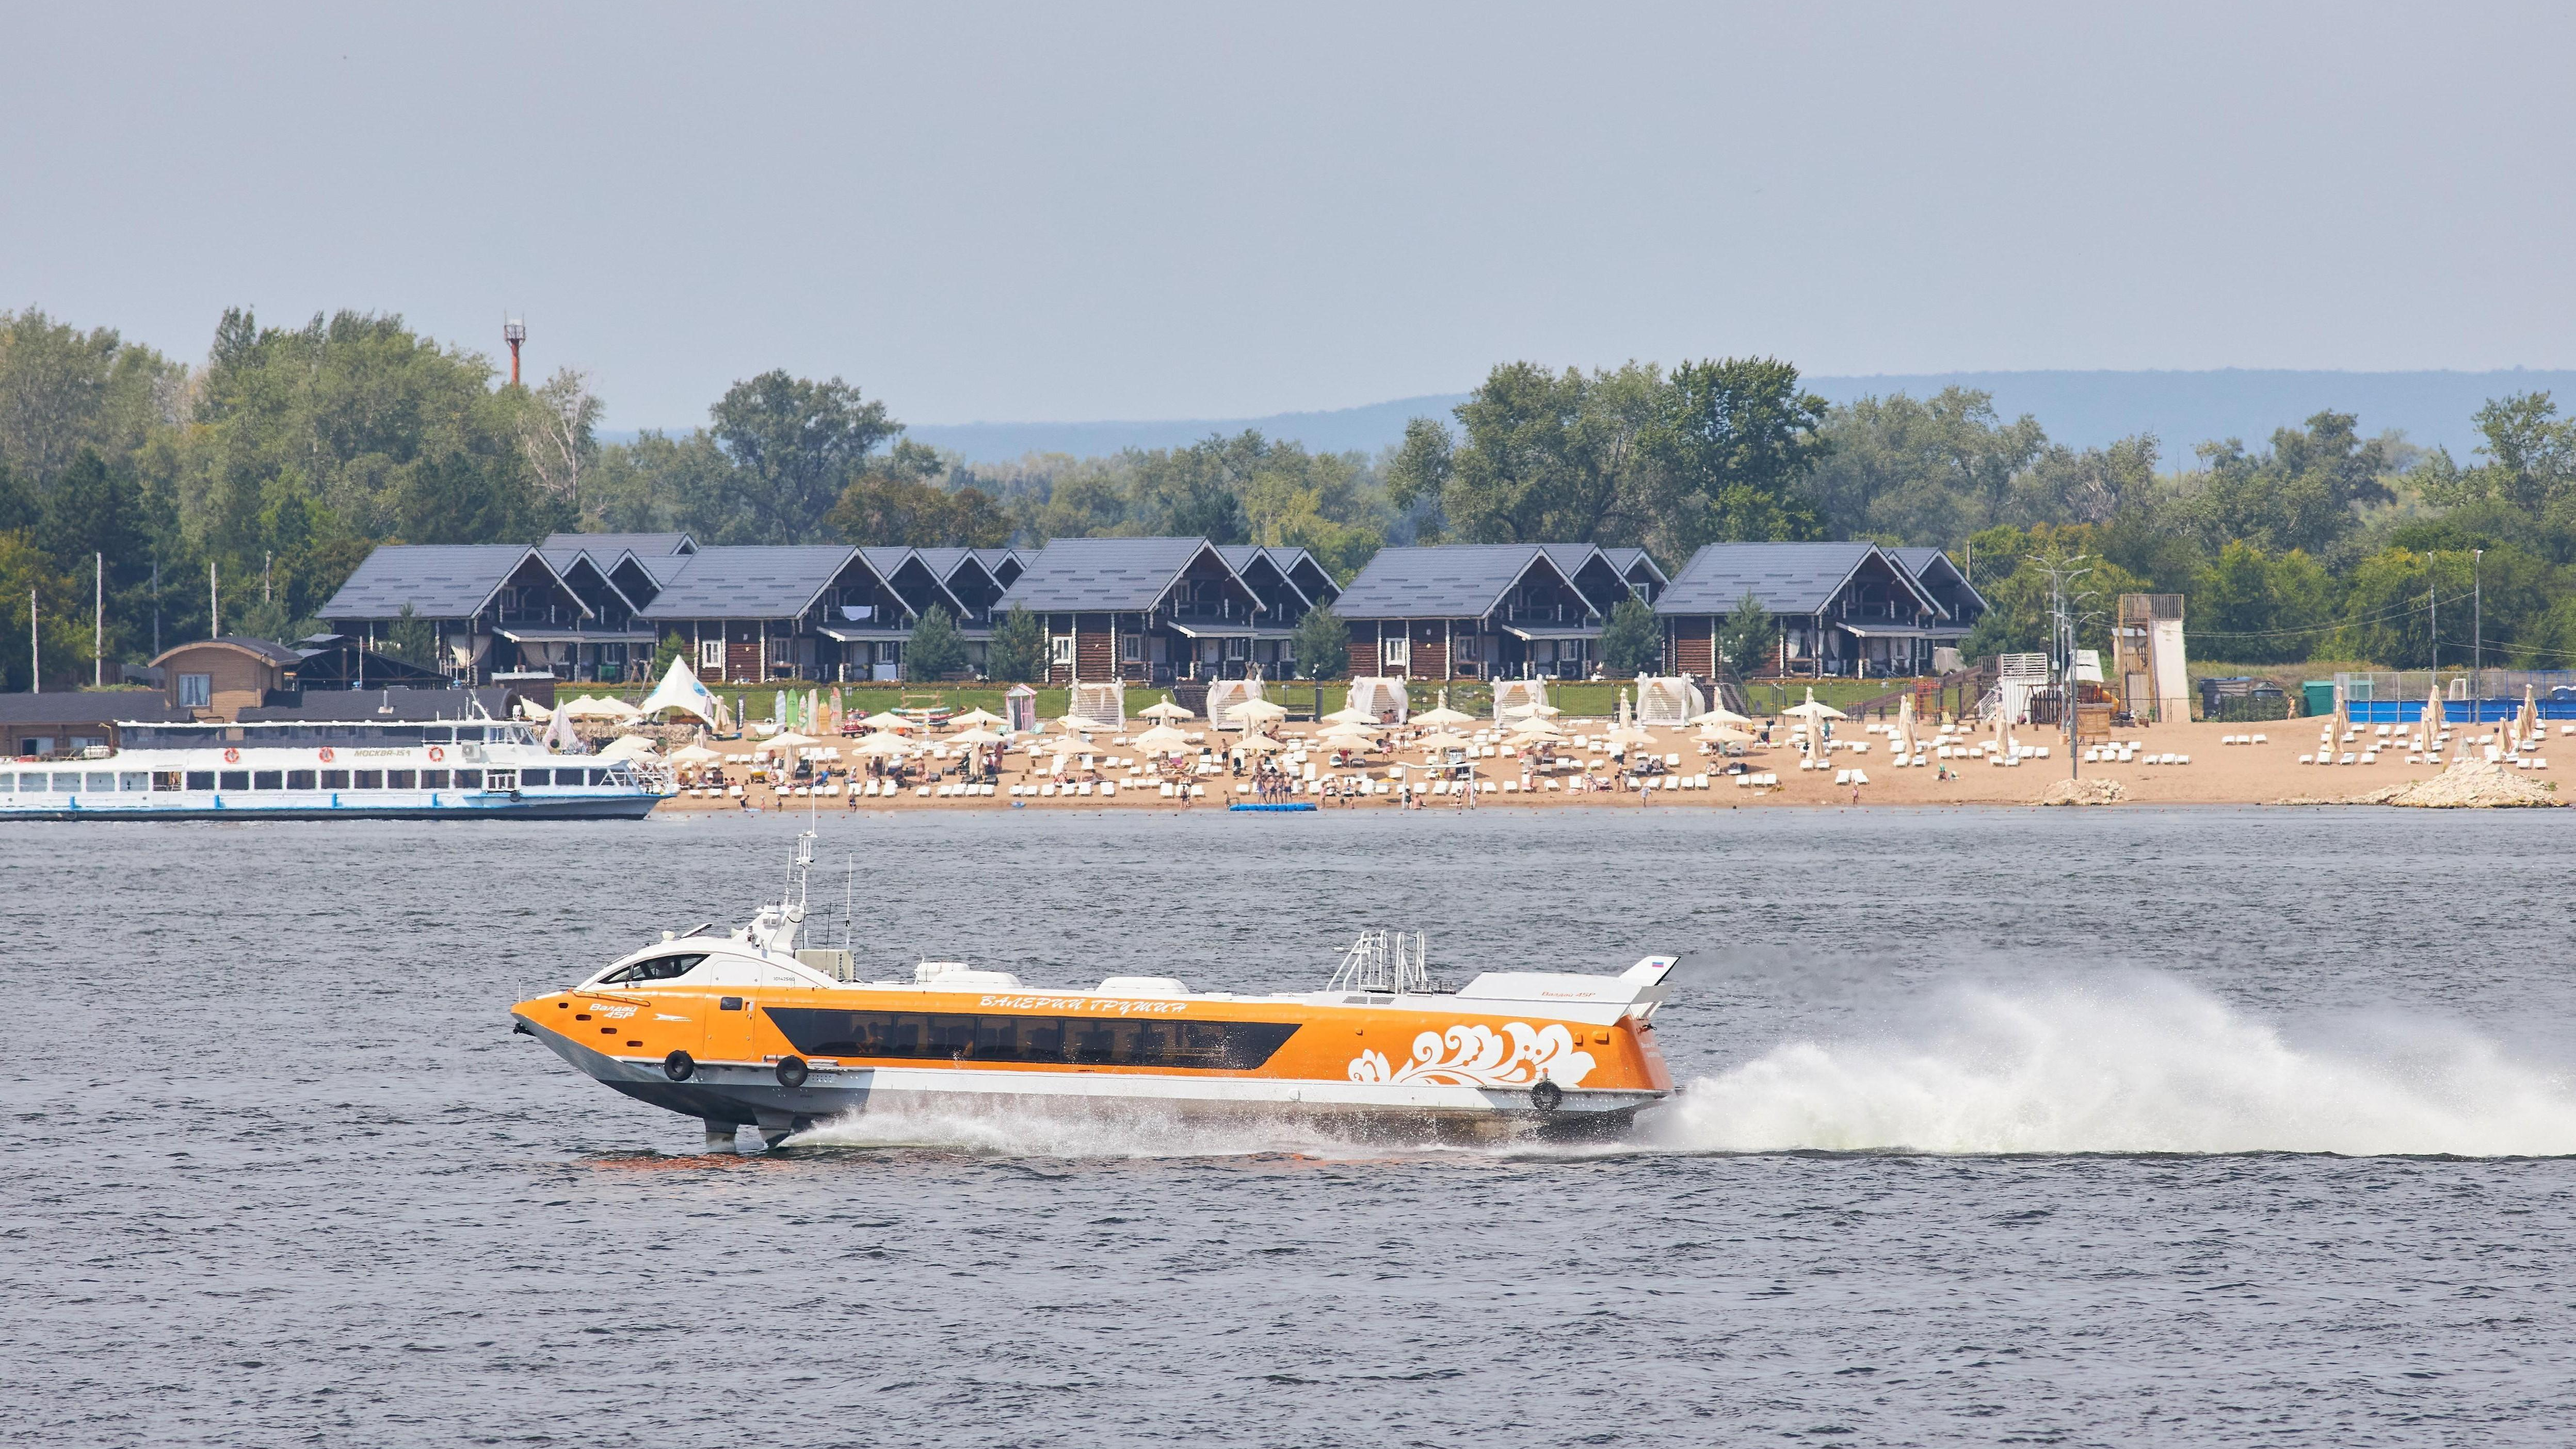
x,y
2477,624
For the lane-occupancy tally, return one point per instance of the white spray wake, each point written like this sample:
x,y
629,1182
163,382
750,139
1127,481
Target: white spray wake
x,y
2152,1067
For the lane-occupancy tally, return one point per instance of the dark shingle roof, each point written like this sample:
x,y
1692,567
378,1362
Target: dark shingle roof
x,y
607,546
1440,581
438,580
345,706
1788,578
1101,575
748,581
87,706
1925,563
1625,560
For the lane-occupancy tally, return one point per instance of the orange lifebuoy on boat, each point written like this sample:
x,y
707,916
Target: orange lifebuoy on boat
x,y
326,754
232,757
436,753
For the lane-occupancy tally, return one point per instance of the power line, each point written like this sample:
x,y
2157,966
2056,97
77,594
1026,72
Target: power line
x,y
2397,613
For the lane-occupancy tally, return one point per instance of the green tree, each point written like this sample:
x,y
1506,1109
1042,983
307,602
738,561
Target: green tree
x,y
899,504
2013,574
1927,473
2530,452
1734,449
2303,493
672,647
63,390
412,640
1322,644
1018,649
2259,608
935,649
1632,642
62,612
1541,457
1744,641
794,444
20,508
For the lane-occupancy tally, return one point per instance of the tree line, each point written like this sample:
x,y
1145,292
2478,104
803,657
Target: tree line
x,y
277,461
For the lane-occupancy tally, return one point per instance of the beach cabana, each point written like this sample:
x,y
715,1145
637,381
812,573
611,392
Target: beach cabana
x,y
1381,698
1668,700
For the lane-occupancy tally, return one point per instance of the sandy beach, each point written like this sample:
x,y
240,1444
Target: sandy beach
x,y
2210,771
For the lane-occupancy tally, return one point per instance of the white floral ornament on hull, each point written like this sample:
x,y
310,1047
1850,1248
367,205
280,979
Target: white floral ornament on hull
x,y
1479,1056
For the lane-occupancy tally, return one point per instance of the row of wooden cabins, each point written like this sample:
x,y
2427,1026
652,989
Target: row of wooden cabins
x,y
1147,610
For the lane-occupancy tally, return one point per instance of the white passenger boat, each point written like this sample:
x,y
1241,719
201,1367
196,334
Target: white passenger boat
x,y
324,770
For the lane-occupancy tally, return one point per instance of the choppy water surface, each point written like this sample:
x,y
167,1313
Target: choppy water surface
x,y
2048,1127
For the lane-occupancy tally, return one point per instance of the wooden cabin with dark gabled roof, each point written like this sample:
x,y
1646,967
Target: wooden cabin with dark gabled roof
x,y
751,614
1148,610
1471,610
492,608
1840,608
1290,584
613,647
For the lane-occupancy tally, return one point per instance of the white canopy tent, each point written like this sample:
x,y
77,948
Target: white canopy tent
x,y
1223,698
1098,706
1381,697
681,690
1668,701
1514,696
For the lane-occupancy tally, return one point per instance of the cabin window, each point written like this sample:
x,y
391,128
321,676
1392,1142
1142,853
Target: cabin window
x,y
530,779
133,780
1397,652
1201,1045
201,779
335,779
233,779
433,779
100,782
8,784
657,968
196,691
469,779
469,734
168,780
501,779
268,779
1131,647
1060,649
402,779
371,780
711,655
438,736
301,780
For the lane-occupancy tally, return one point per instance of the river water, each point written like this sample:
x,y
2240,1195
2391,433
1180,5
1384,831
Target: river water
x,y
2114,1127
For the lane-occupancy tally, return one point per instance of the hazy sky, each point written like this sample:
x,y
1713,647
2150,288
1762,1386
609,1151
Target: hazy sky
x,y
1122,211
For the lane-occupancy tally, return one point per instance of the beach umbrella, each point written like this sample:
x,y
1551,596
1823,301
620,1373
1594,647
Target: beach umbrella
x,y
975,737
1537,729
979,719
1160,737
784,740
1533,711
1720,716
1631,735
1260,744
1442,717
888,720
628,747
2528,726
1254,712
1349,715
2433,709
1348,739
1165,711
883,746
1444,740
1717,734
1813,710
530,709
1905,725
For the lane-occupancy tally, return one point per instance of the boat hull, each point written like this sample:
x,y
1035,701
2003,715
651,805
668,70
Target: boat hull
x,y
745,1094
589,805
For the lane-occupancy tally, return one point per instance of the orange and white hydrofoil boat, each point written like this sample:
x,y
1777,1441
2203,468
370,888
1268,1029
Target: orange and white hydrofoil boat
x,y
747,1029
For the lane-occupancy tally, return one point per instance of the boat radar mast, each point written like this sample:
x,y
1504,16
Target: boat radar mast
x,y
774,927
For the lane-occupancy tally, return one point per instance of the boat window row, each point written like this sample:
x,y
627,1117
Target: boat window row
x,y
109,782
1240,1046
190,736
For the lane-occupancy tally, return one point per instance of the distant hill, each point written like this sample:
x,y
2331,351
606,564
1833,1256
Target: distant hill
x,y
2085,409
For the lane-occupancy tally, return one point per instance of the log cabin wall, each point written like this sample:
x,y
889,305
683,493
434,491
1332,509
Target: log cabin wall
x,y
1430,650
1693,648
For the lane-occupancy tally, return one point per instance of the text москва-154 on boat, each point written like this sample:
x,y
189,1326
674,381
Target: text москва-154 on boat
x,y
746,1029
477,768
